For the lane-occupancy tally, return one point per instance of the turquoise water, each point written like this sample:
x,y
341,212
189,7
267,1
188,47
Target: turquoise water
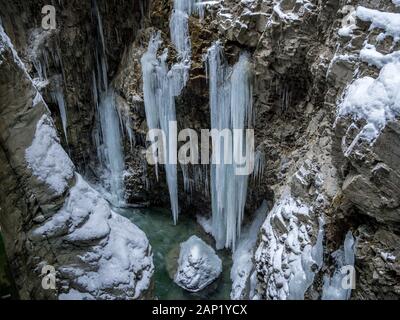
x,y
165,238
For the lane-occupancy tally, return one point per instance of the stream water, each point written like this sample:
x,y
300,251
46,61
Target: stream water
x,y
165,238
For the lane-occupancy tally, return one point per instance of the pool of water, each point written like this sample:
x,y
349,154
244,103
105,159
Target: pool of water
x,y
165,238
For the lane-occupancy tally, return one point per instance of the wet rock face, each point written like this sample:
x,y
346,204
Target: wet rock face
x,y
198,265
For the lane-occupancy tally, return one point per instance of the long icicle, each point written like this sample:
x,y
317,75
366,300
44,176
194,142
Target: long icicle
x,y
230,108
160,87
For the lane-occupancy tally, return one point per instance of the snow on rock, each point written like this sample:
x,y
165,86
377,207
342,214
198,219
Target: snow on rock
x,y
198,265
370,55
47,159
375,100
284,15
396,2
336,287
300,7
120,263
5,43
388,21
243,264
286,256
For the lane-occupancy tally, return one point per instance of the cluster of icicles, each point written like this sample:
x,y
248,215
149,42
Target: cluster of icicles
x,y
112,122
230,106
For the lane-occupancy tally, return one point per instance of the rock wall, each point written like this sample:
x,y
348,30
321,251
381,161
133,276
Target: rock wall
x,y
50,218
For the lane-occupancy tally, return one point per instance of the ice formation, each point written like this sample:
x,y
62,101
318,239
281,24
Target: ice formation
x,y
161,86
198,265
44,51
287,251
58,96
338,286
259,165
108,136
47,159
243,264
231,108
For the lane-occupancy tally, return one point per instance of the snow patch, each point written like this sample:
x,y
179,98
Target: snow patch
x,y
119,266
5,43
370,55
47,159
375,100
388,21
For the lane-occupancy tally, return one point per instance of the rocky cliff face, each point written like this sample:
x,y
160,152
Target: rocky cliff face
x,y
325,119
51,219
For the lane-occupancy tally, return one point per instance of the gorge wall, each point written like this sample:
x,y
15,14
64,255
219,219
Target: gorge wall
x,y
331,170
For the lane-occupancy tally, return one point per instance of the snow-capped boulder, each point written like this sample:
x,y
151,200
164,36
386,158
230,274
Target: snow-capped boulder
x,y
198,265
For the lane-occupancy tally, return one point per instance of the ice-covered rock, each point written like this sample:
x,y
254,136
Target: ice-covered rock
x,y
199,265
243,264
286,256
339,285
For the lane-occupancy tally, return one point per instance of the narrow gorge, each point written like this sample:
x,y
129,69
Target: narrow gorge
x,y
200,150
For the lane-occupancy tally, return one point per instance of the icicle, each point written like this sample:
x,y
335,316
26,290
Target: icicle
x,y
161,86
159,98
231,108
113,151
108,135
345,257
259,164
58,97
126,123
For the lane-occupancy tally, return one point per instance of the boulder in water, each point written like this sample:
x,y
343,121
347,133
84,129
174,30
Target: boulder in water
x,y
198,265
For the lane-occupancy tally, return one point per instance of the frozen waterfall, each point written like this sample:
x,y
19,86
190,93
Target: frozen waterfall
x,y
231,108
159,89
161,86
108,136
339,285
58,97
